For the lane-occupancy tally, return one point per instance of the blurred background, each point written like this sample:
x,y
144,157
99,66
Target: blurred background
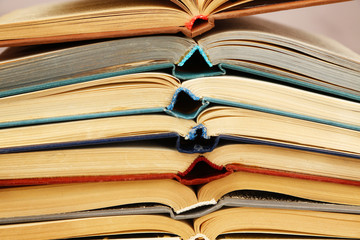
x,y
340,21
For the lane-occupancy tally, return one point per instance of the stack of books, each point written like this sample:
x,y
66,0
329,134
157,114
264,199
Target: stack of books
x,y
176,120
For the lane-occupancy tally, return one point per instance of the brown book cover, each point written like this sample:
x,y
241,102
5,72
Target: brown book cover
x,y
75,31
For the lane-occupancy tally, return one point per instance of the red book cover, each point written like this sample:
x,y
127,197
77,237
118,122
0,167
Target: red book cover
x,y
201,171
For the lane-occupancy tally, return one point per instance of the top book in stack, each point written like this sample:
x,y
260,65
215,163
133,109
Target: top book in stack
x,y
95,19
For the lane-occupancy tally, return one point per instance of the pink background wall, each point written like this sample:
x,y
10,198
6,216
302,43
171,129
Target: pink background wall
x,y
340,21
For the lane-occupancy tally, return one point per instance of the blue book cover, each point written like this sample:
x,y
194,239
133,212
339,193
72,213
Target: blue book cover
x,y
154,92
211,126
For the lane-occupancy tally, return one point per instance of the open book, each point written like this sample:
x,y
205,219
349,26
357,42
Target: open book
x,y
253,189
91,19
144,93
138,161
209,227
55,207
202,135
246,45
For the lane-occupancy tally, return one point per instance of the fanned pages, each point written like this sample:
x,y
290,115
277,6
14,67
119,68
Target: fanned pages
x,y
92,19
246,45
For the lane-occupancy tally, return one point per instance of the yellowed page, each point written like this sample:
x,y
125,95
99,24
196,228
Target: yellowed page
x,y
71,197
96,226
213,6
82,7
120,93
287,159
314,190
115,161
281,129
91,16
277,34
189,6
280,221
103,128
271,96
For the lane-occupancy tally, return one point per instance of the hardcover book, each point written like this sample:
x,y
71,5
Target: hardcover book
x,y
91,19
200,135
138,161
247,45
185,202
144,93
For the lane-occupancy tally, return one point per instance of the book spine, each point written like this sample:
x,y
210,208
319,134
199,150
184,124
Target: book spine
x,y
197,141
202,171
191,52
189,25
196,132
198,104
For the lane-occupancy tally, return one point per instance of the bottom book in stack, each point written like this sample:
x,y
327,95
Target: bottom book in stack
x,y
259,205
